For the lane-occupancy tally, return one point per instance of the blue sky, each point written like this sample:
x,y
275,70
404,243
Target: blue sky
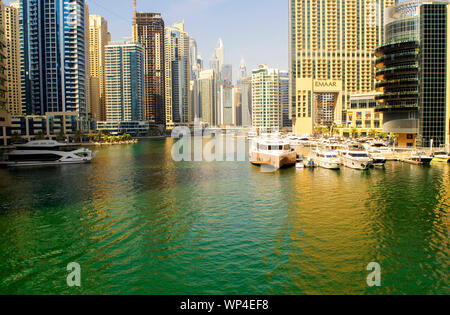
x,y
254,29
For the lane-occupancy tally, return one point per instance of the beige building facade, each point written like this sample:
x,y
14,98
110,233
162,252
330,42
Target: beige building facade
x,y
177,76
98,39
332,45
12,36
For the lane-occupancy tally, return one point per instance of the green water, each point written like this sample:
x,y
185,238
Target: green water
x,y
138,222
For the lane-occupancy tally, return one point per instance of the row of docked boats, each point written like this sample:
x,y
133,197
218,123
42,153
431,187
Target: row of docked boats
x,y
279,152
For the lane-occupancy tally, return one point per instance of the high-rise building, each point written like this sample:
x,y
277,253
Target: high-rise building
x,y
124,77
242,70
246,101
98,39
215,64
207,88
56,55
195,71
193,100
14,81
3,55
332,44
237,91
193,53
412,66
266,109
200,63
220,54
226,105
227,74
177,76
148,31
284,99
24,57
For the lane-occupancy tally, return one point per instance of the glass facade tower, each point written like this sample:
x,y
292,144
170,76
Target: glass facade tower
x,y
413,73
54,37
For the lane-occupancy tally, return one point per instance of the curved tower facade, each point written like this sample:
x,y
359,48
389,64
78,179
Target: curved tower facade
x,y
413,74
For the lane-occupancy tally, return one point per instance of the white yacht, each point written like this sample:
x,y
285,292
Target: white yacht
x,y
327,159
46,152
273,152
377,146
441,157
359,160
378,157
419,158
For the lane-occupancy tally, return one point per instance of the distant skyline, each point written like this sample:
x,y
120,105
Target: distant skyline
x,y
256,30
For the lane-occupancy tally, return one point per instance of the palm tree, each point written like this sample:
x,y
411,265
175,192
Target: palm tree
x,y
79,136
318,130
40,136
61,136
16,137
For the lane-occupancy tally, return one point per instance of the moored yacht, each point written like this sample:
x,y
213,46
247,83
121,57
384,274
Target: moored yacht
x,y
419,158
327,159
378,158
441,157
272,152
359,160
46,152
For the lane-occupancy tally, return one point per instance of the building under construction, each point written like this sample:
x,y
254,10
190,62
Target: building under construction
x,y
148,31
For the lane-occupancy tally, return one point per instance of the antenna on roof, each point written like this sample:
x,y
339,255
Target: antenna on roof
x,y
134,11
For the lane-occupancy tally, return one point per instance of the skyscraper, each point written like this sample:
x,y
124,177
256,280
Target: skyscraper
x,y
215,64
148,30
207,88
177,76
414,75
12,34
124,87
242,70
332,44
3,54
226,105
227,74
237,91
246,91
193,53
220,54
55,40
98,39
266,109
284,99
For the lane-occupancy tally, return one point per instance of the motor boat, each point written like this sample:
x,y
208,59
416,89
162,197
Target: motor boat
x,y
327,159
46,152
359,160
273,152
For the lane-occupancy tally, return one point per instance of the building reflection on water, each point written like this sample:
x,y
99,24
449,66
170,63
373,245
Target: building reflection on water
x,y
138,222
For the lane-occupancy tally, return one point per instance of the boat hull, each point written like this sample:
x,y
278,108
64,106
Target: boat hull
x,y
357,165
329,165
441,160
378,162
275,161
36,164
418,161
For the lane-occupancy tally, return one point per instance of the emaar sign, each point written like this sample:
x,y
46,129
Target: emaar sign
x,y
327,86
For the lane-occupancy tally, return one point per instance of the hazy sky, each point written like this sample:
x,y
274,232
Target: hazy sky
x,y
254,29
